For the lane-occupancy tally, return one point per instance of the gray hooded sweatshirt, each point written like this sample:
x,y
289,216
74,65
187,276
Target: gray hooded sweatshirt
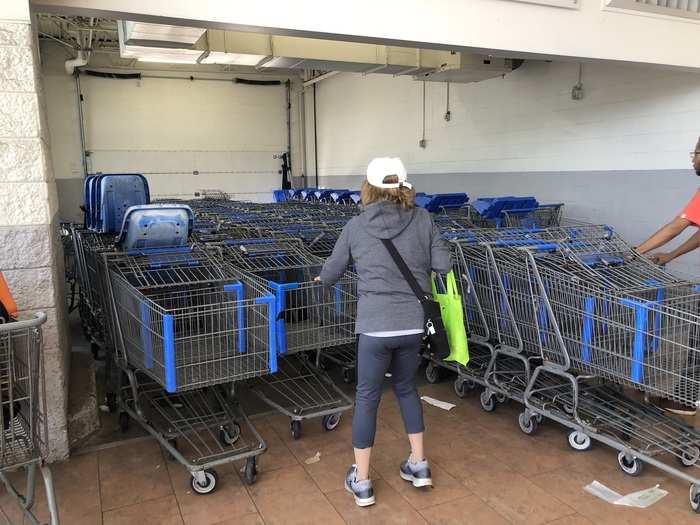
x,y
385,300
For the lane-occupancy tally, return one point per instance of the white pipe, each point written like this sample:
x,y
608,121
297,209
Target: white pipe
x,y
319,78
82,59
78,61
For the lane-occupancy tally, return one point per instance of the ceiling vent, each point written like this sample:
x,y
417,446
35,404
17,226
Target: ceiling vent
x,y
678,8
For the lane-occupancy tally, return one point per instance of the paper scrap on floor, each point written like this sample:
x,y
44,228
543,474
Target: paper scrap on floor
x,y
437,403
640,499
313,459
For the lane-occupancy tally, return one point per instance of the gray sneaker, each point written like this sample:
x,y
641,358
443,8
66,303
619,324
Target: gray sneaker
x,y
361,490
417,473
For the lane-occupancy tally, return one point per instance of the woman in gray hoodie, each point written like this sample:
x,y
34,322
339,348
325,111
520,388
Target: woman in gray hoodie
x,y
390,319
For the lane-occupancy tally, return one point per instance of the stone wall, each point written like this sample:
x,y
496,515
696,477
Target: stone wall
x,y
31,255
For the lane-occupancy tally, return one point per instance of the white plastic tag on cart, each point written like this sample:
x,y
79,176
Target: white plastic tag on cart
x,y
437,403
640,499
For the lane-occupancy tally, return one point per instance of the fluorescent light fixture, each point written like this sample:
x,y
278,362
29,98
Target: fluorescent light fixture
x,y
161,54
160,32
238,59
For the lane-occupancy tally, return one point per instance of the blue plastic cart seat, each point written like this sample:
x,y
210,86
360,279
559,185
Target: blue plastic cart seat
x,y
279,195
156,226
493,207
115,193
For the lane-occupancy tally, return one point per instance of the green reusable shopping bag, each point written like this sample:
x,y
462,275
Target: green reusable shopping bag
x,y
453,319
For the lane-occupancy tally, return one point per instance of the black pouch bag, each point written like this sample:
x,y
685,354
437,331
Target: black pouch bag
x,y
435,333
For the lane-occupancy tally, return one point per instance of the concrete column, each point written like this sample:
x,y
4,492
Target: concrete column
x,y
31,255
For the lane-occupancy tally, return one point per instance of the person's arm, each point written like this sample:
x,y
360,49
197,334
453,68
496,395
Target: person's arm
x,y
688,246
669,232
440,256
337,263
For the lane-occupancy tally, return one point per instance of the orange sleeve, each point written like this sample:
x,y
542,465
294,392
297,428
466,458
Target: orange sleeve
x,y
6,298
692,210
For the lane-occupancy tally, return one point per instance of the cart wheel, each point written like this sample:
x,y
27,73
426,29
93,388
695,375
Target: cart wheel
x,y
695,497
123,421
527,423
432,373
229,434
348,375
631,468
208,486
690,456
330,422
579,441
251,470
111,402
461,388
95,349
296,429
488,401
501,397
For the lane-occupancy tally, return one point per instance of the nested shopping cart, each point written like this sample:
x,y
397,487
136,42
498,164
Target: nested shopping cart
x,y
606,316
188,327
310,318
23,439
88,249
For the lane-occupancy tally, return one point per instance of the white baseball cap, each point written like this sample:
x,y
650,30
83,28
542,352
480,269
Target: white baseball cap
x,y
382,167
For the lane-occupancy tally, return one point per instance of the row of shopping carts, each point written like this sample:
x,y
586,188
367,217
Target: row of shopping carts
x,y
197,300
569,321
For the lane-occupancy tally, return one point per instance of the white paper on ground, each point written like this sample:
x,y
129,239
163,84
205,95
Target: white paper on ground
x,y
437,403
641,499
313,459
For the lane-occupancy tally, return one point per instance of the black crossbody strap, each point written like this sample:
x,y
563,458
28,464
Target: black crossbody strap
x,y
404,269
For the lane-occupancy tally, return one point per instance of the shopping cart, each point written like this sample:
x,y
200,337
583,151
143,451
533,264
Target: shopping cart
x,y
605,316
310,318
23,438
88,248
188,327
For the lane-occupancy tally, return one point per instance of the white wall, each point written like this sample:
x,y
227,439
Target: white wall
x,y
167,129
619,156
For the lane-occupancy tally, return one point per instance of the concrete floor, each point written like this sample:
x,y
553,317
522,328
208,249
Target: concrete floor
x,y
486,471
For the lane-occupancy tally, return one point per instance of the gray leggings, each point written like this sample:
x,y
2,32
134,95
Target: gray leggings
x,y
375,357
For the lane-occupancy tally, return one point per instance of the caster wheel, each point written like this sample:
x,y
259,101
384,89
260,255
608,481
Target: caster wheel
x,y
229,434
432,373
111,402
695,498
501,398
579,441
461,388
527,423
330,422
251,471
631,468
296,429
488,401
690,457
348,375
95,349
539,418
209,484
123,422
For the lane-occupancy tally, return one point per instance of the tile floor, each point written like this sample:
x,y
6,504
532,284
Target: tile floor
x,y
485,470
